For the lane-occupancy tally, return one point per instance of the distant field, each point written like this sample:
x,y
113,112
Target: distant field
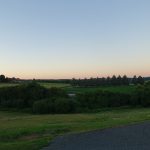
x,y
71,89
20,131
121,89
46,85
59,85
7,85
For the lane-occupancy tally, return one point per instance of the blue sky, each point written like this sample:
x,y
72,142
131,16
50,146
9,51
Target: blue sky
x,y
82,38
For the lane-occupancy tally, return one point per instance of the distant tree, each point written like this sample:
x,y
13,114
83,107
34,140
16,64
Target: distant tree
x,y
7,79
140,80
2,78
73,82
119,80
134,80
84,82
125,80
113,80
103,81
108,81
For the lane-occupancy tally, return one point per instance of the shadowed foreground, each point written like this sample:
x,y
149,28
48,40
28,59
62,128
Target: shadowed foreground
x,y
133,137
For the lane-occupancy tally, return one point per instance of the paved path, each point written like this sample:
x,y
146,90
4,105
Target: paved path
x,y
133,137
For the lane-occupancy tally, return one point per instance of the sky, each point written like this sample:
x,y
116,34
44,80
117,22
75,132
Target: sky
x,y
74,38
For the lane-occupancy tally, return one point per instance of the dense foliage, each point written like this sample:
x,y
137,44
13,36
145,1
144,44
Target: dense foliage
x,y
56,100
113,81
4,79
101,99
24,96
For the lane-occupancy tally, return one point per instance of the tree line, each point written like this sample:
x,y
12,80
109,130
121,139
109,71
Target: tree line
x,y
109,81
4,79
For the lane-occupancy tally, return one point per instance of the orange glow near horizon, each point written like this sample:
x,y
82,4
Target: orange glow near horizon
x,y
73,39
59,75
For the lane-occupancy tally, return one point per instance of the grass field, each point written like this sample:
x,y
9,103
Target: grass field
x,y
7,85
58,85
71,89
26,131
121,89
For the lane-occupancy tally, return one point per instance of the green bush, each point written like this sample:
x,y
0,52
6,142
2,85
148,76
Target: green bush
x,y
43,107
64,105
57,105
100,99
55,100
25,95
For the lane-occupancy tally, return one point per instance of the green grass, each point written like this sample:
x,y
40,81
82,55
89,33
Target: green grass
x,y
25,131
71,89
7,84
46,85
58,85
121,89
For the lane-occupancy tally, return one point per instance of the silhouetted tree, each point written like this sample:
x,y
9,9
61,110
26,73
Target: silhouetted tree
x,y
119,80
107,81
114,80
125,80
140,80
2,78
134,80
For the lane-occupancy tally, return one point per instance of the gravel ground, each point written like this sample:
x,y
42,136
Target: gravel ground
x,y
132,137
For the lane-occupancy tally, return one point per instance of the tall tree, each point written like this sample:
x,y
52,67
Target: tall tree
x,y
134,80
119,80
125,80
108,81
114,80
2,78
140,80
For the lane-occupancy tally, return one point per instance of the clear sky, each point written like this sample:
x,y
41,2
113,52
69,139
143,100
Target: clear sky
x,y
74,38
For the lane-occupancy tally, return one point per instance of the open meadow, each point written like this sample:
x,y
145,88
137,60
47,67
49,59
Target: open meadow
x,y
7,85
120,89
58,85
27,131
46,85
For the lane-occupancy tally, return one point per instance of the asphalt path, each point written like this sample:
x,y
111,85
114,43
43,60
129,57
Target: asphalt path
x,y
132,137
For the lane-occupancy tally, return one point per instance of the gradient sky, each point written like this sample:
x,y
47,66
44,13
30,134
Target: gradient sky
x,y
74,38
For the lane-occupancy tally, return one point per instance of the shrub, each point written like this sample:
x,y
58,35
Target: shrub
x,y
55,100
58,105
43,107
25,95
64,105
